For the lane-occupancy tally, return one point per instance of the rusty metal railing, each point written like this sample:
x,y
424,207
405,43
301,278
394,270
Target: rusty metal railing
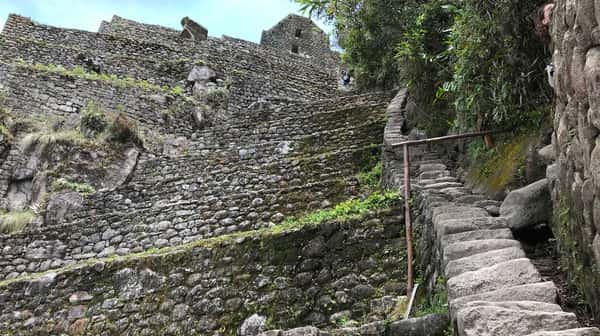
x,y
408,225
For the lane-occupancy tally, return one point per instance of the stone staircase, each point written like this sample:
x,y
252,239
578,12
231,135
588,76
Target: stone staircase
x,y
493,288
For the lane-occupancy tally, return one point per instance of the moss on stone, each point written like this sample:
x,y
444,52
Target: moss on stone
x,y
576,257
495,169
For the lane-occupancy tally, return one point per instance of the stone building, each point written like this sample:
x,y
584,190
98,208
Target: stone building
x,y
298,35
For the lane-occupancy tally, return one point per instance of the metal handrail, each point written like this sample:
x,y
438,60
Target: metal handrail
x,y
408,224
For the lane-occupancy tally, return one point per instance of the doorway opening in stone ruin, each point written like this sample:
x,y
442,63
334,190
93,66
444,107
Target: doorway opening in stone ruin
x,y
540,246
298,32
295,49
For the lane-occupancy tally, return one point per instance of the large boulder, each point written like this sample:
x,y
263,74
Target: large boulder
x,y
61,204
201,73
528,206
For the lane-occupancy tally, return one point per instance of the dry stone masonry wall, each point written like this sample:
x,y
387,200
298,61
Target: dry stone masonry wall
x,y
294,277
187,238
255,72
576,175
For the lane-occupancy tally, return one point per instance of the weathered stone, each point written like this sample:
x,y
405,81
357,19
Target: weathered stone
x,y
496,321
476,235
570,332
539,292
527,206
453,226
431,325
469,248
61,204
201,73
193,30
482,260
547,154
517,305
506,274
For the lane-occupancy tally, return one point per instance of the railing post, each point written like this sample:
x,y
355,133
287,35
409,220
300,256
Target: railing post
x,y
408,226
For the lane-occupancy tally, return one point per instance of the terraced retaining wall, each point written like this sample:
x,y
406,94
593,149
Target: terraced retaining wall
x,y
293,277
270,165
255,72
576,174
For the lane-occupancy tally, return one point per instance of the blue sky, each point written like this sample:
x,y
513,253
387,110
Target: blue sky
x,y
244,19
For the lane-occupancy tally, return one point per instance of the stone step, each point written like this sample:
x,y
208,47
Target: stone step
x,y
432,167
469,248
442,185
470,199
453,211
517,305
482,260
433,174
470,223
456,192
487,202
570,332
497,321
539,292
476,235
507,274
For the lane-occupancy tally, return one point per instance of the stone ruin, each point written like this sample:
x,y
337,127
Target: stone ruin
x,y
179,232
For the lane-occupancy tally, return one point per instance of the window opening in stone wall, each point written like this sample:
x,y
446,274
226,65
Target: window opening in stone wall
x,y
298,32
295,49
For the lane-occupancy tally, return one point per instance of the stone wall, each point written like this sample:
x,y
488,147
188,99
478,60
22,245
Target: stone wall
x,y
576,174
244,175
299,35
137,31
32,93
255,72
293,277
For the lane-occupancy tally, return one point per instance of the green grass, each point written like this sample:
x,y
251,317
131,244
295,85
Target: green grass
x,y
79,72
347,209
436,302
15,221
48,138
371,180
64,184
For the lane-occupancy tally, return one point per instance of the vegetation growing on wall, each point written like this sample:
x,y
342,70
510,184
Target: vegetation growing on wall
x,y
576,260
347,209
5,134
494,169
15,221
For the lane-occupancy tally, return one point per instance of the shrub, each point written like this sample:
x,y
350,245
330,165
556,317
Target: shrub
x,y
15,221
93,120
124,130
64,184
48,138
218,98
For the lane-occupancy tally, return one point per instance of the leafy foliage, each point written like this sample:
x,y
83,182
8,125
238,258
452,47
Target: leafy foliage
x,y
498,65
371,180
478,58
93,120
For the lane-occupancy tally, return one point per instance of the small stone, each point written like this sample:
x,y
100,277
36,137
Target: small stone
x,y
253,325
